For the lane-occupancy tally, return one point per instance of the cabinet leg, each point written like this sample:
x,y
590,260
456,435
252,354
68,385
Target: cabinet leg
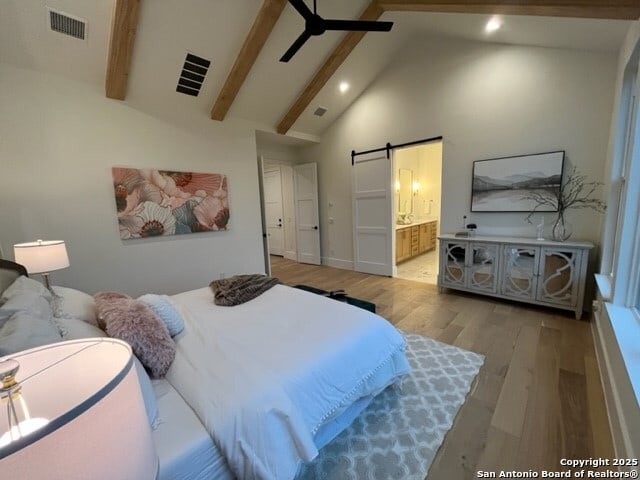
x,y
578,314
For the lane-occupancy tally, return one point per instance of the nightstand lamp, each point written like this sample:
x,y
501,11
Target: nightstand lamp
x,y
42,256
74,410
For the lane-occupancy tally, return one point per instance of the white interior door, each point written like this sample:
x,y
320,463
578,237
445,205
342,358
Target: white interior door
x,y
372,214
273,211
307,226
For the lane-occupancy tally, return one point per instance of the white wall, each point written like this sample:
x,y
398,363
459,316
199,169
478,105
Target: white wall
x,y
487,101
58,142
430,193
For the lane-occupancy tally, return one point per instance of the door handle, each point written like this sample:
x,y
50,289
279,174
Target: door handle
x,y
279,225
315,227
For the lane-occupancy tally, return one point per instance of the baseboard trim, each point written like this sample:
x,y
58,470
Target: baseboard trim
x,y
291,256
337,263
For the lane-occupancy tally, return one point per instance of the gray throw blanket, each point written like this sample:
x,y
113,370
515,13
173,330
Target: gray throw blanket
x,y
240,288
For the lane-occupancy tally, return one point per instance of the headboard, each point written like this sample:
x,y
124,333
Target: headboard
x,y
9,271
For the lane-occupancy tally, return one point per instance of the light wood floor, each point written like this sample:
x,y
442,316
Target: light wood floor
x,y
538,397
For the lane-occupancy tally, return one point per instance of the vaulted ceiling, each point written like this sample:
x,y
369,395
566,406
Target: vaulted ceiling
x,y
136,48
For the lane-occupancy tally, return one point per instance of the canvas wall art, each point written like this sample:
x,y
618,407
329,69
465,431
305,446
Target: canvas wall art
x,y
505,184
152,203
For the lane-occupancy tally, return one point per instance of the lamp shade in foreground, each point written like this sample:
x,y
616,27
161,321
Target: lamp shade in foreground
x,y
82,401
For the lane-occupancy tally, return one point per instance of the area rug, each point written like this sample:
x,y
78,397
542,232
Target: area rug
x,y
398,434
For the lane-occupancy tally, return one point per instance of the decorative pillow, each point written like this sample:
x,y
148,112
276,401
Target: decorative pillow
x,y
74,303
135,323
72,328
32,302
25,330
163,308
103,300
24,284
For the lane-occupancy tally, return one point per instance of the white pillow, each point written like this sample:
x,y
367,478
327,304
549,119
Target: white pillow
x,y
74,328
163,308
23,301
74,303
24,284
23,330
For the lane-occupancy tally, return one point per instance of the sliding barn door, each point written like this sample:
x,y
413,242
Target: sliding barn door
x,y
372,216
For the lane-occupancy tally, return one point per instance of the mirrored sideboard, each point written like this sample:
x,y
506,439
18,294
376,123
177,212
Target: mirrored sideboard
x,y
543,272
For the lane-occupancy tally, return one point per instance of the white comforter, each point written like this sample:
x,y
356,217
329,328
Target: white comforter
x,y
264,376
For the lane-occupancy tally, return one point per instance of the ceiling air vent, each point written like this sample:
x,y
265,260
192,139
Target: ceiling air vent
x,y
320,111
192,75
63,23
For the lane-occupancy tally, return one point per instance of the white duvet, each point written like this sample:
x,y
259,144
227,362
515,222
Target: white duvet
x,y
264,376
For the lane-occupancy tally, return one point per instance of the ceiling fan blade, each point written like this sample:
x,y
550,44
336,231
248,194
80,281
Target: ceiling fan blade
x,y
357,25
302,8
304,36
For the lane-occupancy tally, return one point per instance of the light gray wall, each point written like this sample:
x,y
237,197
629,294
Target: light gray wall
x,y
58,142
284,154
487,101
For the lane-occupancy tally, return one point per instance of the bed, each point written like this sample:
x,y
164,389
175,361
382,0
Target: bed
x,y
254,390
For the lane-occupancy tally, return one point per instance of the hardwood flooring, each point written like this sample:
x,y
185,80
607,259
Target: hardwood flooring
x,y
538,397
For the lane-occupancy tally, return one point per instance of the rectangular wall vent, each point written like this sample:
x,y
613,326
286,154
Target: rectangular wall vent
x,y
192,76
66,24
320,111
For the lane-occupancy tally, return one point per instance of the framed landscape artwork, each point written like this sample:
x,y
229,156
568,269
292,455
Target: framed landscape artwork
x,y
152,203
505,184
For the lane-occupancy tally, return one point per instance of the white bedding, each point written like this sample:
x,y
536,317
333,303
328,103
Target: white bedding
x,y
264,377
184,447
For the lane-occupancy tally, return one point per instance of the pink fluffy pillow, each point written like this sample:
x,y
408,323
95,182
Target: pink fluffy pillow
x,y
135,323
103,300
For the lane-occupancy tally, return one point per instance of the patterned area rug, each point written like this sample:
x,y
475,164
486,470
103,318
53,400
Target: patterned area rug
x,y
398,434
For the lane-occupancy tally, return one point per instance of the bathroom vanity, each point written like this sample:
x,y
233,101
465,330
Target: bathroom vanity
x,y
415,238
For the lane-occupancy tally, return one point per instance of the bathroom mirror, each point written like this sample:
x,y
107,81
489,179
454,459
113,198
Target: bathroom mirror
x,y
405,198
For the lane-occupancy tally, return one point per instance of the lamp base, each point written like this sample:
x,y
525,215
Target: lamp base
x,y
45,276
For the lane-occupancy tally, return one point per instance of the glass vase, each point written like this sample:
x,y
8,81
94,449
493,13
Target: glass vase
x,y
561,230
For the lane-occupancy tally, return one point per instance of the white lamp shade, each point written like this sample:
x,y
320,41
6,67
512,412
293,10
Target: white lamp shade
x,y
41,256
95,427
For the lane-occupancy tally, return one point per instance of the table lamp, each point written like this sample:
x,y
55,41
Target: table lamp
x,y
42,256
74,410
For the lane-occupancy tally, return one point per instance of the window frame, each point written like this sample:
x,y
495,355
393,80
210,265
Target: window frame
x,y
620,263
625,271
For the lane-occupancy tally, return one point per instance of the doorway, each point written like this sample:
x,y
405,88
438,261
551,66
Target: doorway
x,y
289,198
274,211
418,191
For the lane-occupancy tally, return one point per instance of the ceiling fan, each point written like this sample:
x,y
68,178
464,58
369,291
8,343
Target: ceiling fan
x,y
316,25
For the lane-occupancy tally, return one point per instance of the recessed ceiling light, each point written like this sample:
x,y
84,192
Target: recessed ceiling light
x,y
493,24
344,86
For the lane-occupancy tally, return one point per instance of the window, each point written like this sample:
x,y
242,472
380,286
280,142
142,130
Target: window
x,y
621,238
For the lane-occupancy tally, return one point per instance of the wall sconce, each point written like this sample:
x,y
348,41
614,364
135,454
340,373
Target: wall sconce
x,y
415,187
397,186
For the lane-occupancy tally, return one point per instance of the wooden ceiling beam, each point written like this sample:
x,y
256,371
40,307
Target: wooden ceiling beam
x,y
262,26
328,68
124,23
604,9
